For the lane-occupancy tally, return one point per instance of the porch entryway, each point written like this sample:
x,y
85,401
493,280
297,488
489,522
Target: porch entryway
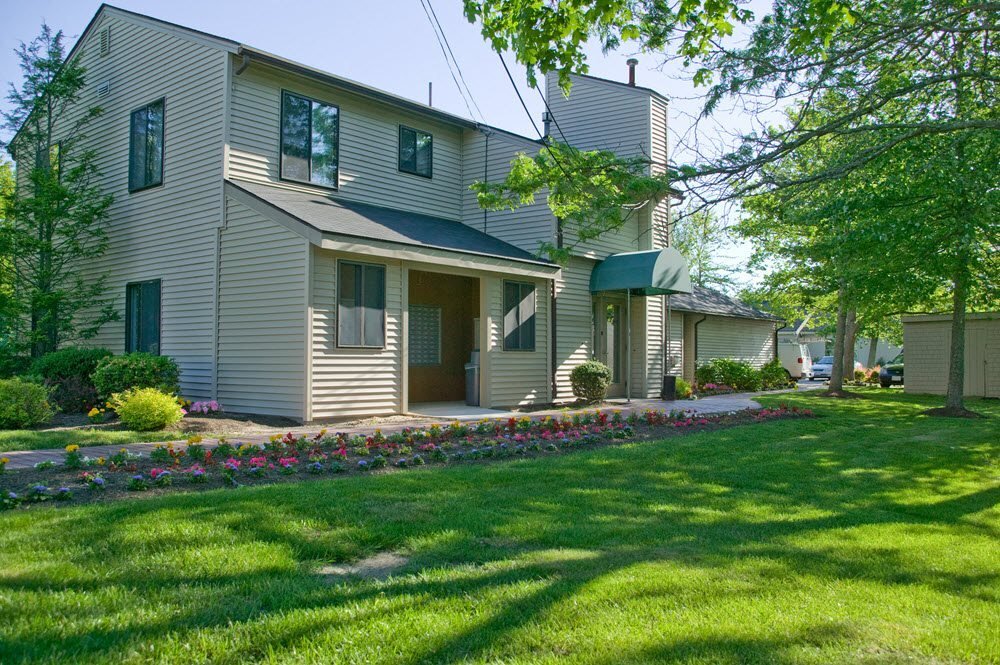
x,y
443,334
610,337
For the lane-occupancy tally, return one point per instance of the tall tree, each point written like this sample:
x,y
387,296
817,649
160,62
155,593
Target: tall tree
x,y
57,214
701,236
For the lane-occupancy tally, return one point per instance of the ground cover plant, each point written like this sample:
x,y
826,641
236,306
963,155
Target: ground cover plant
x,y
866,534
289,457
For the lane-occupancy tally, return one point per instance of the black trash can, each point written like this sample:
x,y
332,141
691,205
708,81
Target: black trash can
x,y
669,390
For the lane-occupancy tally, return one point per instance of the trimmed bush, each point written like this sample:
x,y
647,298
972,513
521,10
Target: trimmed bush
x,y
23,404
774,376
682,389
590,380
68,373
117,374
12,364
146,409
736,374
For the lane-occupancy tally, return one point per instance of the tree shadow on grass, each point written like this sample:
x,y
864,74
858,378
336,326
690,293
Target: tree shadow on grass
x,y
553,526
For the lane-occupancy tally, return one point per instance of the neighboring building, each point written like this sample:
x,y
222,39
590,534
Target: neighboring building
x,y
820,343
308,246
927,341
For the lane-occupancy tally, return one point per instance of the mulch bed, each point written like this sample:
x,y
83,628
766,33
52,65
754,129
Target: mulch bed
x,y
293,459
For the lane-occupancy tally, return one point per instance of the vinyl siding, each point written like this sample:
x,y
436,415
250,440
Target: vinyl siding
x,y
262,316
167,232
740,339
675,354
927,345
526,227
574,322
369,142
353,382
517,378
660,156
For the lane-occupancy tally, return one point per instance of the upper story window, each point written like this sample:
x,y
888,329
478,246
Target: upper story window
x,y
145,147
309,135
518,316
416,151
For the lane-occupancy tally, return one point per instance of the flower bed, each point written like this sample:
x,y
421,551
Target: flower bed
x,y
291,457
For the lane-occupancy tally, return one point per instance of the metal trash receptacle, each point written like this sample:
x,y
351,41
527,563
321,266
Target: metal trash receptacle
x,y
472,384
669,389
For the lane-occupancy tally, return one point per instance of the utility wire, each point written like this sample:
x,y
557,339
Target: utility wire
x,y
458,67
449,58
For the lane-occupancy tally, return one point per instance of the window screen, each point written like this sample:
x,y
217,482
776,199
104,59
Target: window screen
x,y
361,305
145,156
425,335
142,316
416,151
519,316
309,140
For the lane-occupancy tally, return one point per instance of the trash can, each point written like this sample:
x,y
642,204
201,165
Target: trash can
x,y
472,384
669,390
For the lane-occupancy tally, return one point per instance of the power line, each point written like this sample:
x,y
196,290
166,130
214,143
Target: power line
x,y
449,58
510,77
455,60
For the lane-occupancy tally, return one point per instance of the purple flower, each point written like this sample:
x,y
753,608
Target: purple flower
x,y
98,481
138,476
63,490
12,496
39,489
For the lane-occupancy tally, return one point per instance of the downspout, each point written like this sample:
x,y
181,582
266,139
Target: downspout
x,y
774,341
695,359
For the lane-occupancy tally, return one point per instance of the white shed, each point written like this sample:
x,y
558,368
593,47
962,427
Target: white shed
x,y
927,341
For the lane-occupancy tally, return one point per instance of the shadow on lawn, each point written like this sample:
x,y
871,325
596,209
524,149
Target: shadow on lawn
x,y
556,525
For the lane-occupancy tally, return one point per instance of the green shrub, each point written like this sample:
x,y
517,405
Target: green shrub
x,y
68,373
774,376
23,404
12,364
146,409
682,389
590,380
117,374
733,373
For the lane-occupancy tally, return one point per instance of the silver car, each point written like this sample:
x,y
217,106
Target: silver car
x,y
822,368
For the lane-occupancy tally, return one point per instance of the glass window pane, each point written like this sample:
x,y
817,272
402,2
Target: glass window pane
x,y
132,292
137,150
154,144
527,317
296,139
348,314
324,144
407,149
423,153
374,306
511,294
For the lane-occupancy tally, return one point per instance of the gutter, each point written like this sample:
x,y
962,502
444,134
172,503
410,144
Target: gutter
x,y
696,324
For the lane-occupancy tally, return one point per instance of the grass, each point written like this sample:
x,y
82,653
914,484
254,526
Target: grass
x,y
32,439
868,534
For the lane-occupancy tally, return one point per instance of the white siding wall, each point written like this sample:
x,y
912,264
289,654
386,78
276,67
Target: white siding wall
x,y
262,316
528,226
574,322
660,156
166,232
353,382
740,339
369,143
927,345
675,355
517,378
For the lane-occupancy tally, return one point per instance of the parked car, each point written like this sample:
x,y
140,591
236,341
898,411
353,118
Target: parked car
x,y
796,360
822,368
891,372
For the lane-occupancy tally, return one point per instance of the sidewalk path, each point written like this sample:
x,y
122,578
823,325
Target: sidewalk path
x,y
24,459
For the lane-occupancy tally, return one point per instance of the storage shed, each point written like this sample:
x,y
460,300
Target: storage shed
x,y
927,342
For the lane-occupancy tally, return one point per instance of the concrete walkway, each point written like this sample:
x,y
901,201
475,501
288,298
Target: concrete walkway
x,y
716,404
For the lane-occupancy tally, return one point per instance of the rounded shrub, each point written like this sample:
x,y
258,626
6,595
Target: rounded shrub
x,y
146,409
774,376
23,404
117,374
682,389
728,372
68,373
590,380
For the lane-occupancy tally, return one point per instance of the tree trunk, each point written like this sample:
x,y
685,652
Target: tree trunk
x,y
956,359
837,371
850,338
872,351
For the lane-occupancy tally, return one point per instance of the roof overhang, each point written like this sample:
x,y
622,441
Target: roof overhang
x,y
649,273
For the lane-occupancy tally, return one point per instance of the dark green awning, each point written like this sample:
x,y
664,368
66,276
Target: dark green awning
x,y
651,273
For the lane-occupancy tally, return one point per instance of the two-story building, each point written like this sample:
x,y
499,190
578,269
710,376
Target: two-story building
x,y
308,246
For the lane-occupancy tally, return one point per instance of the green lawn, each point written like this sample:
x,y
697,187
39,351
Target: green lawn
x,y
870,534
29,439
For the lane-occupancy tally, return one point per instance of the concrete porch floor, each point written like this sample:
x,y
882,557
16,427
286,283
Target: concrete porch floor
x,y
456,411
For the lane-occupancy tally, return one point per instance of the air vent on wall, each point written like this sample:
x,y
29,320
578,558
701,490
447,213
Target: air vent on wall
x,y
105,41
104,89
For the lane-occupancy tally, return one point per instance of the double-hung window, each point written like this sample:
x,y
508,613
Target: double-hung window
x,y
309,135
142,316
145,151
360,305
416,151
518,316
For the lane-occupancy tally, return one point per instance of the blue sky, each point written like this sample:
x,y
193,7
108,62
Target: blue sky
x,y
385,43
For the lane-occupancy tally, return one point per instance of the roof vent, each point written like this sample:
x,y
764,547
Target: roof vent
x,y
104,89
105,37
631,62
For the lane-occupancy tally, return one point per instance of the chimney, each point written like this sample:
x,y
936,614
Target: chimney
x,y
631,62
546,123
430,93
